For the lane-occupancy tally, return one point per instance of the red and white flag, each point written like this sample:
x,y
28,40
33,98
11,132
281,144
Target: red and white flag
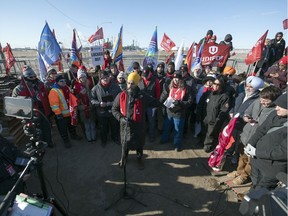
x,y
97,36
10,60
214,53
255,54
216,156
285,24
167,44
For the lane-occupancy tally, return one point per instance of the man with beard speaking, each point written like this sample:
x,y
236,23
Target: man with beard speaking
x,y
129,109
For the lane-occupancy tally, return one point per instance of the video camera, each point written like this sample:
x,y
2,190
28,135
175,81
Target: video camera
x,y
22,108
264,202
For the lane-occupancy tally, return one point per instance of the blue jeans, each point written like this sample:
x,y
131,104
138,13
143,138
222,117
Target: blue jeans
x,y
178,130
151,114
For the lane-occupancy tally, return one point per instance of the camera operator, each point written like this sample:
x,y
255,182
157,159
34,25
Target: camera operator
x,y
268,147
32,87
9,171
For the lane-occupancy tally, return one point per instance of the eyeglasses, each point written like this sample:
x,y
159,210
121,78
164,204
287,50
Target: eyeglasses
x,y
130,83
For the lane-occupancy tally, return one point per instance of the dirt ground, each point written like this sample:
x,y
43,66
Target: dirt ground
x,y
88,182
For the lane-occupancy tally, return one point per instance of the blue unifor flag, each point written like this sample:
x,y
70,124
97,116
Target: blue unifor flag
x,y
151,56
197,61
48,47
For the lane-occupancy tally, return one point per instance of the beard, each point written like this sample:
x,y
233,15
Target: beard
x,y
249,92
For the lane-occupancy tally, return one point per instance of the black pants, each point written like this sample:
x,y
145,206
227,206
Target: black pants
x,y
45,128
62,125
107,123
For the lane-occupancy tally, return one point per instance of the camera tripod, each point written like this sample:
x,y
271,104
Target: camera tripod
x,y
34,161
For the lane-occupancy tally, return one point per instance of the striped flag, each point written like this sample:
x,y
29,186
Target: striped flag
x,y
117,55
189,57
151,56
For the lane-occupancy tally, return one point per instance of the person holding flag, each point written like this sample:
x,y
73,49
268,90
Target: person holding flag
x,y
278,45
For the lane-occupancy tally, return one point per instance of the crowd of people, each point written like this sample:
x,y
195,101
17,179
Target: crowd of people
x,y
117,105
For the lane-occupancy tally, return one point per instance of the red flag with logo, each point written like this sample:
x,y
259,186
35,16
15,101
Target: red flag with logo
x,y
285,24
97,36
166,43
214,53
255,54
189,57
73,103
10,60
216,156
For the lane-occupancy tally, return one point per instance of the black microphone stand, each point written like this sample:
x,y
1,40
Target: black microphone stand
x,y
124,193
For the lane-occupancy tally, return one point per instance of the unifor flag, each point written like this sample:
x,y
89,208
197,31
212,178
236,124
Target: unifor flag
x,y
151,56
179,57
216,157
167,44
9,58
285,24
189,57
256,52
215,53
48,47
75,52
97,36
73,103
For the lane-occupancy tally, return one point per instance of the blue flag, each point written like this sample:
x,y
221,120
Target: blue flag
x,y
48,47
42,68
151,56
197,61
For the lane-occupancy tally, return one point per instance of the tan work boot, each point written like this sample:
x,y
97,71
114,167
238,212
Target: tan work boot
x,y
233,174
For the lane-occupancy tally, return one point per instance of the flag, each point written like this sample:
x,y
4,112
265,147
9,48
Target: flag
x,y
48,47
75,52
59,61
170,58
179,57
255,54
215,53
73,103
285,24
10,60
117,48
97,36
189,57
197,60
42,67
167,44
152,52
216,157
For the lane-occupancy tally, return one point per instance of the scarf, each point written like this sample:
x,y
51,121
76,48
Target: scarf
x,y
137,108
177,93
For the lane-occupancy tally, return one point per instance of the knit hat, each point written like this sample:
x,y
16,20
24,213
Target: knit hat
x,y
81,74
104,74
281,101
171,63
210,77
28,71
135,77
256,82
177,74
136,65
283,61
121,74
51,70
209,32
184,68
59,77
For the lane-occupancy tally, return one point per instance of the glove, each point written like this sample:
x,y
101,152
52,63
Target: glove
x,y
250,150
59,117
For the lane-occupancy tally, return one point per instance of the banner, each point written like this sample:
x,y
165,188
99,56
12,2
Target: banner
x,y
167,44
151,56
285,24
215,53
97,55
97,36
256,52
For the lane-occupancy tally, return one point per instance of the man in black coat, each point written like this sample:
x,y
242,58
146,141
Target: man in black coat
x,y
129,109
268,147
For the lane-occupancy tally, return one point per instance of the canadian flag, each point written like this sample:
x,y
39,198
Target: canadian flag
x,y
255,54
166,43
97,36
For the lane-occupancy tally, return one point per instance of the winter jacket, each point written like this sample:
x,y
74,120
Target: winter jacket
x,y
58,102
